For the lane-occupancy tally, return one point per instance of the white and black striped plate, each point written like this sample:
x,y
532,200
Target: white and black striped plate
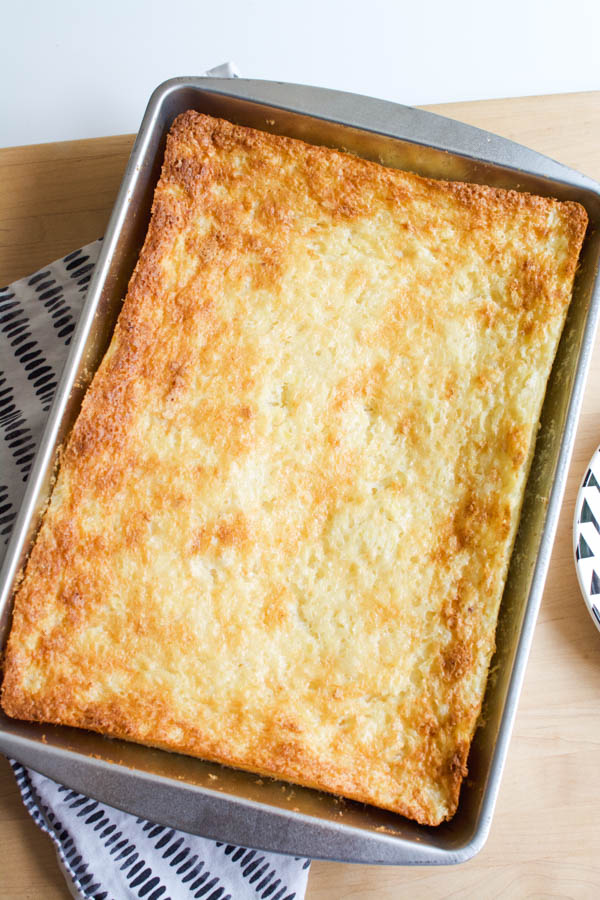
x,y
586,537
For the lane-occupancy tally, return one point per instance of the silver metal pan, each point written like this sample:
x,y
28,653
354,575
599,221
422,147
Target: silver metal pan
x,y
235,806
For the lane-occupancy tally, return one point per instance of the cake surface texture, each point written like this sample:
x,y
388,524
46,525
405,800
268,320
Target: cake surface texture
x,y
282,522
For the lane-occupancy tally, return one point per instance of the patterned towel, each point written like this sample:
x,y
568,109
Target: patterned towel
x,y
104,853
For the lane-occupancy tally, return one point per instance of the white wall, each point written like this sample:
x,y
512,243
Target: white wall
x,y
84,69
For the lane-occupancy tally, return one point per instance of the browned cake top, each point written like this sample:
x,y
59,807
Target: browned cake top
x,y
282,523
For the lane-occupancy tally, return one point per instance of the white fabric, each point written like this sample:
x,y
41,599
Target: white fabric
x,y
105,853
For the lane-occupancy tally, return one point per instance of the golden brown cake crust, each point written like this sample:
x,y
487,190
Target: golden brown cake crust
x,y
281,527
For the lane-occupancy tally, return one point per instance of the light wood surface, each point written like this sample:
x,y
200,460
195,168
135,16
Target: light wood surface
x,y
545,838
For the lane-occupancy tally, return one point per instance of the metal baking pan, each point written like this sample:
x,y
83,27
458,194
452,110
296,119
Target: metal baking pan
x,y
235,806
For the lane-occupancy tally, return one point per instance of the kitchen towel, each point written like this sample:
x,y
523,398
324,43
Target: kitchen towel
x,y
104,853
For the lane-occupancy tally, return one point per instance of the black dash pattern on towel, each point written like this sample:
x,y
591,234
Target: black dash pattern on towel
x,y
38,315
105,854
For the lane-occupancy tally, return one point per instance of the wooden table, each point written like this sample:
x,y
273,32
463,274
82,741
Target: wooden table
x,y
545,838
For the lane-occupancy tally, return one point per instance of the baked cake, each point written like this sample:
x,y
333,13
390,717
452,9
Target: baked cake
x,y
282,523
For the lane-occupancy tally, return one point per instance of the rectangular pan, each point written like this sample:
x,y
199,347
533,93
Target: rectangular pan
x,y
234,806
